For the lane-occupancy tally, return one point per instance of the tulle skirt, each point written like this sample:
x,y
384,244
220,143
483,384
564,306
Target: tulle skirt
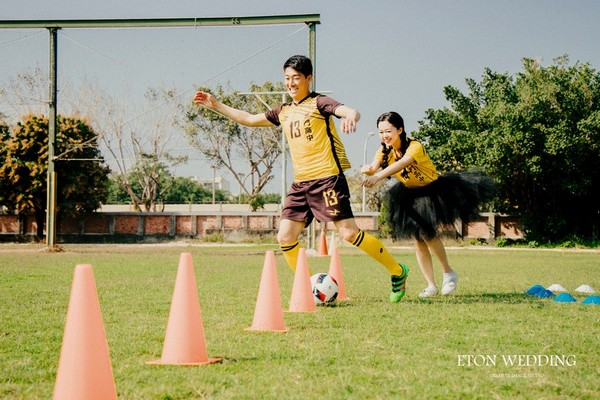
x,y
419,212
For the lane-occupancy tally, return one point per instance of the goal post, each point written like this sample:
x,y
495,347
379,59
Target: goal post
x,y
311,20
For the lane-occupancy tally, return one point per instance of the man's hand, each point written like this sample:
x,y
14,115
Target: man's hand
x,y
350,118
206,99
348,125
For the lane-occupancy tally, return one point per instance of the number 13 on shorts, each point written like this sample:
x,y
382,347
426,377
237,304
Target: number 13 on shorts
x,y
330,197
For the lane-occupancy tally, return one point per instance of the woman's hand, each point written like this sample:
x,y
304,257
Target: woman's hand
x,y
370,181
367,170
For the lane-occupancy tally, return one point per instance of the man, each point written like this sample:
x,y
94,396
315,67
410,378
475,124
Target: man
x,y
320,188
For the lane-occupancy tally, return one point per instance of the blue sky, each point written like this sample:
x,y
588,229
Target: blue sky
x,y
382,55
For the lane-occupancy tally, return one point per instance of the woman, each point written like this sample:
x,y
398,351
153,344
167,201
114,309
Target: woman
x,y
423,200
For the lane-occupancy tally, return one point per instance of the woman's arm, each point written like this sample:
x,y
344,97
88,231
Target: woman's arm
x,y
397,166
370,169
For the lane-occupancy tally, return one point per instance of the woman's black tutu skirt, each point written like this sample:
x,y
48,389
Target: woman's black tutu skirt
x,y
420,212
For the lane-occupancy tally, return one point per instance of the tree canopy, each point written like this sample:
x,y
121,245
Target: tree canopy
x,y
173,190
81,172
229,145
139,149
537,134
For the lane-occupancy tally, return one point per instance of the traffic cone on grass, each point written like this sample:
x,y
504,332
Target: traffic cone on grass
x,y
332,243
302,296
323,244
335,271
84,369
184,341
268,314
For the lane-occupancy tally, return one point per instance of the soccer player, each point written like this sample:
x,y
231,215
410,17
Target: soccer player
x,y
320,189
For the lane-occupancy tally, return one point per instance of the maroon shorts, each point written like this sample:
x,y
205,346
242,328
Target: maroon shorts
x,y
326,199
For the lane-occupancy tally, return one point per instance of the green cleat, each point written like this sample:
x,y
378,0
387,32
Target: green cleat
x,y
399,285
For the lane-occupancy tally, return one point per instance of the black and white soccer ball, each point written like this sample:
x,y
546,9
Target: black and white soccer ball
x,y
324,288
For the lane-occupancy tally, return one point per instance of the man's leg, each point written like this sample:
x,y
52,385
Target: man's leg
x,y
289,232
376,249
369,244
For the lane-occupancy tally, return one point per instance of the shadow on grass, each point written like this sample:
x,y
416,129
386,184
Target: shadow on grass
x,y
483,298
335,304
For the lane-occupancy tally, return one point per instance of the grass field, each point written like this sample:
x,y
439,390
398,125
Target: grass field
x,y
366,348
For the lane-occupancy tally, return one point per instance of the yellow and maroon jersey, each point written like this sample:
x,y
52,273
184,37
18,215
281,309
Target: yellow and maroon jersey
x,y
315,146
420,173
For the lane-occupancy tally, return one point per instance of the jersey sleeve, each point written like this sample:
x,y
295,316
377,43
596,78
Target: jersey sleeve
x,y
273,116
415,150
379,154
327,105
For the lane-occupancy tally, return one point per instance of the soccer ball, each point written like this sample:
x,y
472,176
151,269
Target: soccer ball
x,y
324,288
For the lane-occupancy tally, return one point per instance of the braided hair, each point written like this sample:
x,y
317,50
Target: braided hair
x,y
385,151
397,122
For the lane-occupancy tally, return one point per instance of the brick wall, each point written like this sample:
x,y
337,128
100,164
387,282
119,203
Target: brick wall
x,y
116,226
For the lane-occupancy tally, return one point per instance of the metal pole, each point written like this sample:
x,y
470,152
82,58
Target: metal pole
x,y
312,52
52,125
213,183
283,161
364,191
162,22
241,176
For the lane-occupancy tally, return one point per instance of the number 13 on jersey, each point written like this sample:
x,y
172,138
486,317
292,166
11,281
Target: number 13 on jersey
x,y
295,131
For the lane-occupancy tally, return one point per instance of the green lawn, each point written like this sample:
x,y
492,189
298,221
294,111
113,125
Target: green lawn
x,y
366,348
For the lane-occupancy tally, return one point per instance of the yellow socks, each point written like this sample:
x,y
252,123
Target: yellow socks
x,y
373,247
290,253
364,241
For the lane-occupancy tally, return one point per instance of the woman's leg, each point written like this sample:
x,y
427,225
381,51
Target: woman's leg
x,y
437,247
450,279
425,261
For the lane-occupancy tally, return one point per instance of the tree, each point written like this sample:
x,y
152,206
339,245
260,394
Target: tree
x,y
82,175
140,147
537,133
189,191
131,139
177,190
25,93
226,144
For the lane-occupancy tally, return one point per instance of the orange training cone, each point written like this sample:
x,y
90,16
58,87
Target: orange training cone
x,y
335,271
323,244
84,370
268,314
332,243
184,341
302,296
